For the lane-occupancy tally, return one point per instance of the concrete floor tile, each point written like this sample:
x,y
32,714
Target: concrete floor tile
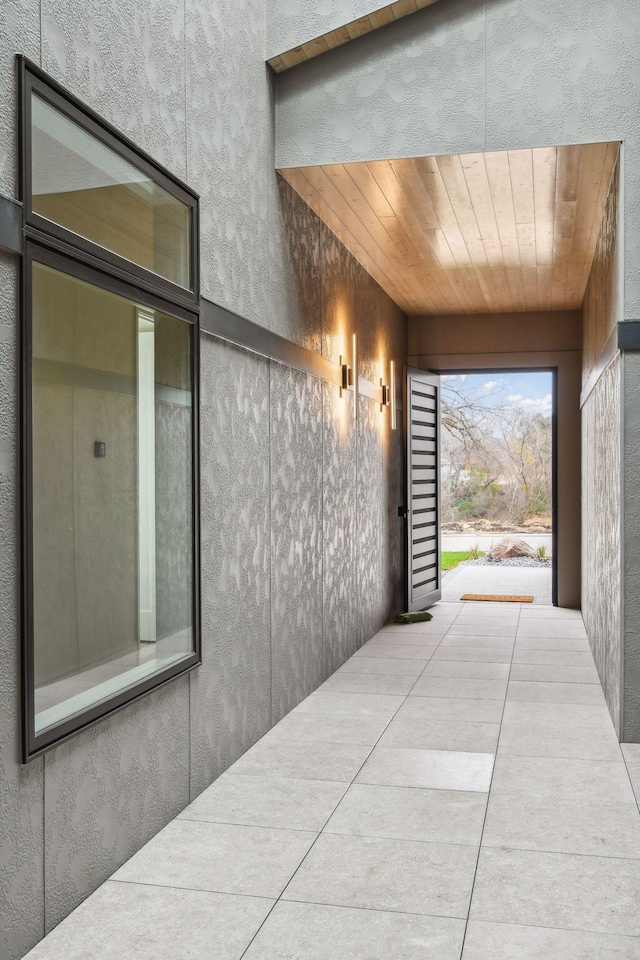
x,y
446,708
558,644
350,704
387,666
453,687
563,825
432,769
558,890
319,761
554,658
367,683
389,649
406,731
549,673
481,643
549,740
634,776
439,624
501,941
543,692
598,780
532,611
128,920
631,752
426,878
564,629
421,639
328,728
570,714
220,857
310,931
466,670
474,654
407,813
267,802
480,629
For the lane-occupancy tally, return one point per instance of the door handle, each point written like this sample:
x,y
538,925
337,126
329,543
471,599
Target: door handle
x,y
403,513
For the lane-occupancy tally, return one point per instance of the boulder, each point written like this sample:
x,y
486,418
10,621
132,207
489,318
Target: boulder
x,y
511,547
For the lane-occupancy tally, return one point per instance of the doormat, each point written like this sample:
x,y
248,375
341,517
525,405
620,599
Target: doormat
x,y
497,598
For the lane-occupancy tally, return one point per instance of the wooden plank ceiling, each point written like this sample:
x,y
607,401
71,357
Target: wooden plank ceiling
x,y
476,233
350,31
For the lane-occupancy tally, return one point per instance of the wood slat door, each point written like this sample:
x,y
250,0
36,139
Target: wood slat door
x,y
422,406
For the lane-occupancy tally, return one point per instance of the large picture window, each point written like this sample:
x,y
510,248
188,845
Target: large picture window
x,y
109,430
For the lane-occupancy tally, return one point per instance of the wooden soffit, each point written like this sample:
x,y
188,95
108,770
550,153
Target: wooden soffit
x,y
512,231
350,31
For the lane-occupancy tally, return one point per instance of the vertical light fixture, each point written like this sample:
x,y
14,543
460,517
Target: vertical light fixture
x,y
354,373
392,387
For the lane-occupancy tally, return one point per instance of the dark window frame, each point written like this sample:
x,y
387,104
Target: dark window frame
x,y
93,264
32,80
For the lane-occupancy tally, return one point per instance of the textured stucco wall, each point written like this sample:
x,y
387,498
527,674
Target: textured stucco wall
x,y
601,530
464,76
290,556
291,22
631,548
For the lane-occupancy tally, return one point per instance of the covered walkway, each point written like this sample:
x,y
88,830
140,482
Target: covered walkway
x,y
455,789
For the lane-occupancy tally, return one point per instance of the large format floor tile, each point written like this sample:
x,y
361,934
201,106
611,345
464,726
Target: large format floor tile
x,y
550,777
452,708
429,878
467,670
406,731
493,654
555,692
462,688
376,818
528,739
312,931
390,666
267,802
351,704
558,890
328,728
220,857
407,813
435,769
501,941
551,673
563,825
320,761
367,683
130,920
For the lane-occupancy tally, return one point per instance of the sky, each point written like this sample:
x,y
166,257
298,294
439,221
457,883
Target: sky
x,y
531,391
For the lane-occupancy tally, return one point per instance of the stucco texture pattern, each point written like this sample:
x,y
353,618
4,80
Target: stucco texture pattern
x,y
126,60
465,76
339,521
19,33
229,148
230,696
631,551
296,537
601,499
110,790
295,267
290,22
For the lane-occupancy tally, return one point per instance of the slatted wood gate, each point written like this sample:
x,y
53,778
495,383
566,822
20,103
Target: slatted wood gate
x,y
422,417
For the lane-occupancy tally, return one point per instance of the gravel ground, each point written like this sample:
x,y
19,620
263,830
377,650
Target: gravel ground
x,y
510,562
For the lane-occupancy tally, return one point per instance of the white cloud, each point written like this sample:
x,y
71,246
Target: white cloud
x,y
543,405
454,376
490,385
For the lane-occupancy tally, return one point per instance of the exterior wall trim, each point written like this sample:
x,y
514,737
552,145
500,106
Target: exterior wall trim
x,y
625,337
217,321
